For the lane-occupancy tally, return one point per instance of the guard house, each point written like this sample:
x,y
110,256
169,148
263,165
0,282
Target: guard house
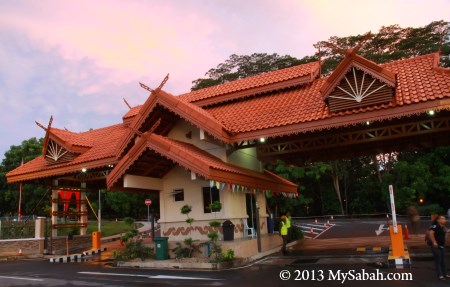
x,y
210,144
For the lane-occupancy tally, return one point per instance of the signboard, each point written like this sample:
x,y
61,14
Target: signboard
x,y
394,215
148,202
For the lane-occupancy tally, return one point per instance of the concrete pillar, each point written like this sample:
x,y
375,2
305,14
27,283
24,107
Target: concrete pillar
x,y
39,232
54,212
83,208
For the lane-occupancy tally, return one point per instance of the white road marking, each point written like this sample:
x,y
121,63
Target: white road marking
x,y
21,278
306,228
381,229
148,276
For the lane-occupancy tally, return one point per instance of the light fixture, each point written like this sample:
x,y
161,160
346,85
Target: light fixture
x,y
431,112
110,165
83,169
262,140
368,123
421,200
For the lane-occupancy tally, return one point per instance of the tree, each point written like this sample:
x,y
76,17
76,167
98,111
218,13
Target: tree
x,y
31,194
390,43
279,204
242,66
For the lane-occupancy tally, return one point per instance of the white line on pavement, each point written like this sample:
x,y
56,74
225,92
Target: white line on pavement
x,y
148,276
21,278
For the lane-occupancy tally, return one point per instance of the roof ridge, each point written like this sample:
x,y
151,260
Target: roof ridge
x,y
251,79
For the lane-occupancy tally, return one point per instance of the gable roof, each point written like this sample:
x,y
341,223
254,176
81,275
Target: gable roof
x,y
420,86
193,114
419,82
199,162
101,152
354,60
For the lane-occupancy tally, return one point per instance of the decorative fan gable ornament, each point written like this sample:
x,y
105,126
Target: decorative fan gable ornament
x,y
55,151
357,88
57,154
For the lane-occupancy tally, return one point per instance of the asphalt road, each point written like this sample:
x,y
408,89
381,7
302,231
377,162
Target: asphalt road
x,y
327,268
344,228
309,270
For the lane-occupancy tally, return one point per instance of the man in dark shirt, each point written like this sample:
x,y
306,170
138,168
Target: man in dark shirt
x,y
436,234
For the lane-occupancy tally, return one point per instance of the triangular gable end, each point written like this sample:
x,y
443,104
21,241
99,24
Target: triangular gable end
x,y
358,82
56,153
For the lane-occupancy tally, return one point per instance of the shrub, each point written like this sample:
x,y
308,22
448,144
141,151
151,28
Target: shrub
x,y
229,255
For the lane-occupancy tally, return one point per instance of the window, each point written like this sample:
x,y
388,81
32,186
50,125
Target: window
x,y
210,194
178,194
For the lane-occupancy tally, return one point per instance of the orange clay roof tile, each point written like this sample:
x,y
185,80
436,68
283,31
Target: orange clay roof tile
x,y
305,104
200,162
103,142
252,82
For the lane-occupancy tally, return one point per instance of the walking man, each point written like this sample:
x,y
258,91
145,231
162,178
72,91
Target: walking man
x,y
436,235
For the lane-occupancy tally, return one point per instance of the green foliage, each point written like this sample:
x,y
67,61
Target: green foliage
x,y
36,198
228,255
430,209
134,249
189,221
186,209
129,221
181,251
390,43
242,66
214,224
118,204
213,236
215,254
186,251
216,206
296,233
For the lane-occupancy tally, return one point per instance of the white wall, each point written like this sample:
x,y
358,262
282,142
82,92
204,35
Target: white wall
x,y
182,128
246,158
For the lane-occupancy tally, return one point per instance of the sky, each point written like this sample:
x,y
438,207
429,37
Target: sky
x,y
77,60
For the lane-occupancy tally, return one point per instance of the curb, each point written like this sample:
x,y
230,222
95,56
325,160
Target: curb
x,y
66,259
76,257
94,251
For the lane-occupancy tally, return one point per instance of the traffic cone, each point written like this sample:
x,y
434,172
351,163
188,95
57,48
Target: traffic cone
x,y
20,252
311,232
315,221
328,222
406,233
332,217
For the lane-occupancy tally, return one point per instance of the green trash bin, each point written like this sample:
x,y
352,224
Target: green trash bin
x,y
161,248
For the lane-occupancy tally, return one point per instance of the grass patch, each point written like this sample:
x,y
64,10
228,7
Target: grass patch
x,y
108,228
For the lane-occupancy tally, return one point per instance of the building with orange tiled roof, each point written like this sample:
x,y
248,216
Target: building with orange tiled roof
x,y
211,144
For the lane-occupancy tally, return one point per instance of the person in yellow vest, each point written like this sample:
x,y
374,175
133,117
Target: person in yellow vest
x,y
284,233
288,223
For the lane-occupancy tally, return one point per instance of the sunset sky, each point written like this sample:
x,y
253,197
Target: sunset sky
x,y
76,60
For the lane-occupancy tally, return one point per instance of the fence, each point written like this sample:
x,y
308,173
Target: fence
x,y
10,228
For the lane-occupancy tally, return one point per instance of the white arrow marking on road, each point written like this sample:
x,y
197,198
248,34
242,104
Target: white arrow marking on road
x,y
149,276
21,278
380,229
